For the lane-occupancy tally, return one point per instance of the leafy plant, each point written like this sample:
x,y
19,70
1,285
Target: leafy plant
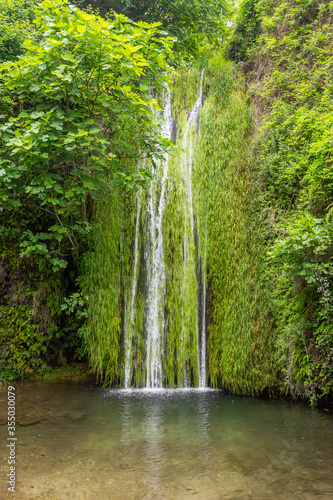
x,y
295,103
80,110
16,25
72,334
21,344
246,31
190,21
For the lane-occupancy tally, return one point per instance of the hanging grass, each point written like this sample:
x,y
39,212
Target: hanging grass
x,y
241,341
218,234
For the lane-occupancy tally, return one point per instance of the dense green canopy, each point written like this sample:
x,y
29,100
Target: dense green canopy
x,y
188,20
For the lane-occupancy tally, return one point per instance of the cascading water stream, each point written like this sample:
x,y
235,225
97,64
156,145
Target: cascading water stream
x,y
151,332
202,369
187,145
192,119
155,261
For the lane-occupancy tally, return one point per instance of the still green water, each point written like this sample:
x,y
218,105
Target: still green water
x,y
76,442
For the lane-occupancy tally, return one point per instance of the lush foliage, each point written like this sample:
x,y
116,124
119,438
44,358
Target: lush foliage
x,y
16,25
190,21
292,84
79,135
81,104
101,281
29,317
241,352
224,250
20,346
76,116
246,31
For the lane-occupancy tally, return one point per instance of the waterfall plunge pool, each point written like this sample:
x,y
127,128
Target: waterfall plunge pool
x,y
79,442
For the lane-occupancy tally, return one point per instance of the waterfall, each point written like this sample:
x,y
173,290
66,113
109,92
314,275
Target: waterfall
x,y
202,364
192,119
165,324
155,261
188,158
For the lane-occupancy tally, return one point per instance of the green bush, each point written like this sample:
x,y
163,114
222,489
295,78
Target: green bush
x,y
20,343
294,95
16,25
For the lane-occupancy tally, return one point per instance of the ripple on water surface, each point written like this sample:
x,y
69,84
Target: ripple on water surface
x,y
80,442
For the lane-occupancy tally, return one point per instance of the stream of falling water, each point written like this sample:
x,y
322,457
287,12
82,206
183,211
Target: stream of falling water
x,y
155,261
187,145
202,371
192,120
154,322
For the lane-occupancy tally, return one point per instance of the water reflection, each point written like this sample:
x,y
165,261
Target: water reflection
x,y
82,443
203,408
154,449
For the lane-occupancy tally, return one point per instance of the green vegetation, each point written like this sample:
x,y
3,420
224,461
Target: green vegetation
x,y
192,22
16,25
79,104
289,73
241,341
228,249
80,142
246,31
76,116
101,281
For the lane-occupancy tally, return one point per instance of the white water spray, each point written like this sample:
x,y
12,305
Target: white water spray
x,y
155,261
187,145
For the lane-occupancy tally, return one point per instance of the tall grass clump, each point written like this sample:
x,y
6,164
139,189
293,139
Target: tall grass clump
x,y
241,342
102,279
